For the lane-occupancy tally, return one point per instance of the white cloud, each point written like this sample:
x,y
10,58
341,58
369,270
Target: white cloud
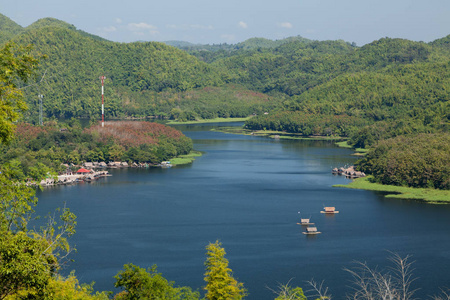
x,y
190,27
141,27
108,29
286,25
118,20
242,24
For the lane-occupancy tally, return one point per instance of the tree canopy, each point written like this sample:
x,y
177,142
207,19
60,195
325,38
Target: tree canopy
x,y
220,284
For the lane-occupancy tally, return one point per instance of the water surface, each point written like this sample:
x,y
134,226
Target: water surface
x,y
246,192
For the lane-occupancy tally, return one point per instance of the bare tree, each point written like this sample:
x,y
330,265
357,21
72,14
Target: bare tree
x,y
372,284
318,290
287,292
445,295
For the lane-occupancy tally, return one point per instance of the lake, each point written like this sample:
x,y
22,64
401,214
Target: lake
x,y
247,192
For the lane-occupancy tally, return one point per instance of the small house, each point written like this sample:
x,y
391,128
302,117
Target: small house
x,y
311,230
329,210
83,171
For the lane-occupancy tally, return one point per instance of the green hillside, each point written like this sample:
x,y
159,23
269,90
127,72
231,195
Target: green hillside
x,y
143,78
134,71
385,81
8,29
52,22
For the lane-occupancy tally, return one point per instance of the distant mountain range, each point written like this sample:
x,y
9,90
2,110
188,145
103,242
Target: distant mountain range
x,y
381,80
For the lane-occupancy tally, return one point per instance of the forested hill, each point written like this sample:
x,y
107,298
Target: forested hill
x,y
211,53
388,79
8,29
143,78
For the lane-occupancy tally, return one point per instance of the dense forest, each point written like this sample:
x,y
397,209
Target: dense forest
x,y
391,95
384,89
37,150
386,80
387,88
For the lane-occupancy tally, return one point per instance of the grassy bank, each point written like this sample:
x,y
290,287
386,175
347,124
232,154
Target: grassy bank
x,y
400,192
358,151
186,159
275,134
215,120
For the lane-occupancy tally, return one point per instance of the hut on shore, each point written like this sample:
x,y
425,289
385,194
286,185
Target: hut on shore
x,y
84,171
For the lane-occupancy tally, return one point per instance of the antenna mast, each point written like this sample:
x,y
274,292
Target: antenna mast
x,y
102,78
41,122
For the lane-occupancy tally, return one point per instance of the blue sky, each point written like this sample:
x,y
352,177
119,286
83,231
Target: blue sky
x,y
233,21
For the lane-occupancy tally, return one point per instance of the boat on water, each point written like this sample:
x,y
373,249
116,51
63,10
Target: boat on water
x,y
329,210
311,231
305,222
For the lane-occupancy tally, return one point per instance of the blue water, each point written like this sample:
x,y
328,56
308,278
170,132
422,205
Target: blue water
x,y
246,192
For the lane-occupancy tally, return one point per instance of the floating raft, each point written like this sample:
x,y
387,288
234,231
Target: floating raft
x,y
329,210
305,222
311,230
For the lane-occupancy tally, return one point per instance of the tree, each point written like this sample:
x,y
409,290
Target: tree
x,y
17,201
60,288
23,267
16,65
149,284
371,283
220,283
287,292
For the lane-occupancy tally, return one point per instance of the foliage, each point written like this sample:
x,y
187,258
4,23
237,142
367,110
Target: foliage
x,y
8,28
421,160
39,151
69,288
135,72
28,259
16,66
220,284
287,292
24,265
139,283
306,124
17,201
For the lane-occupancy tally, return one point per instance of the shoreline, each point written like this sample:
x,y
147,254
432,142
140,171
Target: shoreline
x,y
430,196
205,121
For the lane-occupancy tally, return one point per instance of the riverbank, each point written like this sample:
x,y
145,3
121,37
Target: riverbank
x,y
276,134
204,121
186,159
400,192
358,151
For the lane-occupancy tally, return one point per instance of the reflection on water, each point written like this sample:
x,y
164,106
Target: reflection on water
x,y
247,191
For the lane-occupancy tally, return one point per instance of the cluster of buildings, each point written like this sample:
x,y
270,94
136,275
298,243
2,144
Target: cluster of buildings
x,y
348,172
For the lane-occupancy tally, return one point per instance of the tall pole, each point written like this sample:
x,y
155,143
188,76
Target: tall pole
x,y
41,121
102,78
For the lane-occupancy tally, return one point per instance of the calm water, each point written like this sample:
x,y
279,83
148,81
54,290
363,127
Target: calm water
x,y
247,192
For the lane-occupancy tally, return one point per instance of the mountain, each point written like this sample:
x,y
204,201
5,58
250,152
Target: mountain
x,y
75,62
8,29
254,43
386,79
52,22
210,53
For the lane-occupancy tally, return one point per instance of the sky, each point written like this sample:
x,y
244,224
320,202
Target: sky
x,y
233,21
